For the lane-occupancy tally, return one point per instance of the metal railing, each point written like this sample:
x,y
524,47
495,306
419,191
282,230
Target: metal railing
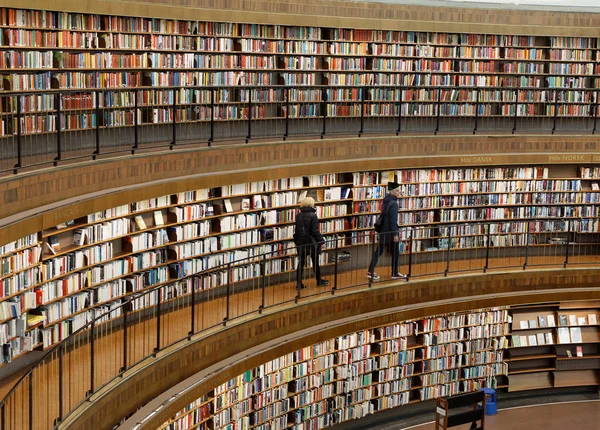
x,y
47,128
126,330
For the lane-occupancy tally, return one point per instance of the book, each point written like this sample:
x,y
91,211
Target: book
x,y
54,244
523,325
562,320
516,341
563,335
533,324
572,319
579,351
140,223
257,202
576,335
246,204
302,196
569,354
549,339
79,237
542,321
592,319
158,218
581,321
595,186
523,340
532,340
540,338
550,320
228,207
52,251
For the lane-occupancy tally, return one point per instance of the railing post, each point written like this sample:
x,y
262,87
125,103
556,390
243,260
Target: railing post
x,y
60,383
299,272
335,265
31,408
3,416
555,111
92,358
19,143
399,129
193,310
249,136
362,90
596,105
212,117
514,129
135,123
58,126
477,110
228,294
448,257
97,150
526,246
263,282
487,248
174,109
287,113
157,348
324,104
125,310
410,254
567,244
437,120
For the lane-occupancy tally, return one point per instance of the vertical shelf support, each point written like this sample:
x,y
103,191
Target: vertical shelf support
x,y
193,309
124,367
228,294
61,349
92,358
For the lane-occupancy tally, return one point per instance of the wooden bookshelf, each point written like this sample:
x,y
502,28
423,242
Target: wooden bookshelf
x,y
485,75
88,265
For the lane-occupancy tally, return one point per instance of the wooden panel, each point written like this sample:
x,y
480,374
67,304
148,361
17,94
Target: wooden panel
x,y
530,381
418,299
332,13
33,201
576,378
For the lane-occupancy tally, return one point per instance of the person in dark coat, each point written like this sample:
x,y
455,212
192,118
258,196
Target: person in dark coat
x,y
389,236
309,240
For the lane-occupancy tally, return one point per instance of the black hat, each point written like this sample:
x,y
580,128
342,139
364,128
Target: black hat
x,y
393,186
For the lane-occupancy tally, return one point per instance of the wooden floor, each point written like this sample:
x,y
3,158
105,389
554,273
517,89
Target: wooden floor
x,y
174,325
558,416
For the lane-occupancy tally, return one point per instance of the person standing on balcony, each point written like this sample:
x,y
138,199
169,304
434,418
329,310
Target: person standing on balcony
x,y
388,237
309,240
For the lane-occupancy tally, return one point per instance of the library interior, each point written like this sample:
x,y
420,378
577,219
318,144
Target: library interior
x,y
154,156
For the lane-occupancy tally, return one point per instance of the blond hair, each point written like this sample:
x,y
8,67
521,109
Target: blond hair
x,y
308,202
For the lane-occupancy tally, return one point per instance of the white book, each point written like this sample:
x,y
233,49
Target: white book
x,y
563,335
532,340
228,207
79,237
549,339
592,319
158,218
572,319
576,335
523,324
550,320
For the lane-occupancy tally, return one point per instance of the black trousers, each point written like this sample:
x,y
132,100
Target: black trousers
x,y
303,252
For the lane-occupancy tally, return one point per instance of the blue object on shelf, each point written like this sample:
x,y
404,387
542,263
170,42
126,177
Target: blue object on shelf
x,y
490,401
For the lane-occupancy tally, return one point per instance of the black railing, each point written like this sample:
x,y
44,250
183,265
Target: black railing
x,y
47,128
127,330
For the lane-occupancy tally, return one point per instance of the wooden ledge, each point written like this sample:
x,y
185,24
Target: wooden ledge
x,y
343,313
31,202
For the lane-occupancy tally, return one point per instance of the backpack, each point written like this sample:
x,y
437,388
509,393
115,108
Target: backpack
x,y
297,236
378,226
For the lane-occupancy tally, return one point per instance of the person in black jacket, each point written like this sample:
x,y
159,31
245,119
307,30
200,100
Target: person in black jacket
x,y
309,239
388,237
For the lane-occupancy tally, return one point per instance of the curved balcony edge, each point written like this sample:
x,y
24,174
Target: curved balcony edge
x,y
338,314
39,200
